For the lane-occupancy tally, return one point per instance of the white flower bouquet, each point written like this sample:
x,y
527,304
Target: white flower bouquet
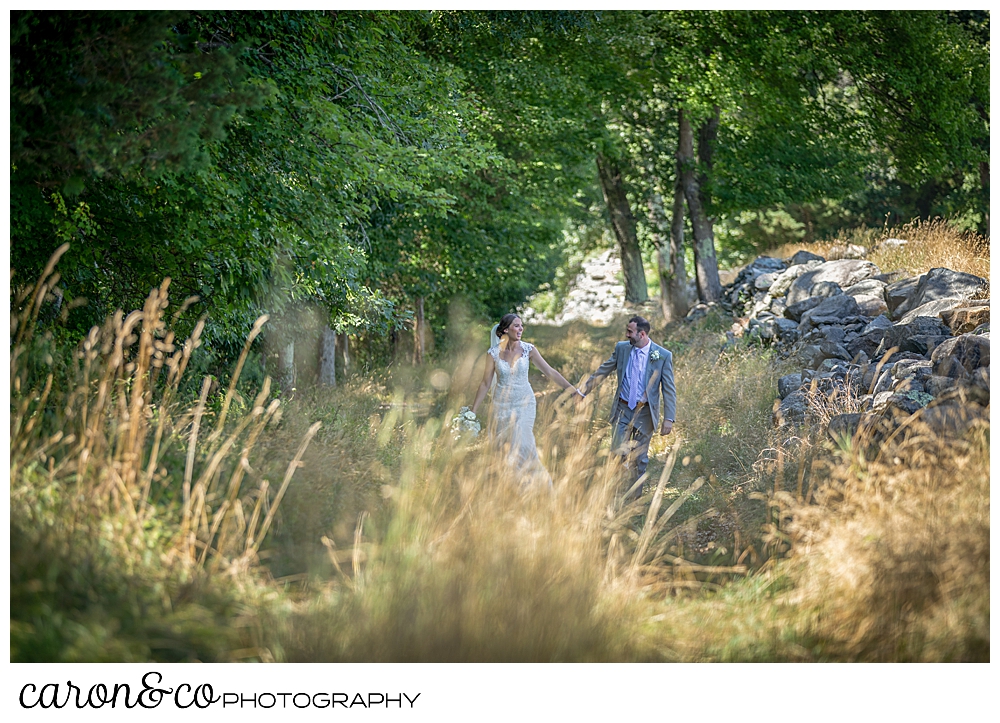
x,y
465,424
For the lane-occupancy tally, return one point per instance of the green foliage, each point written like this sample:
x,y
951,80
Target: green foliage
x,y
357,162
78,111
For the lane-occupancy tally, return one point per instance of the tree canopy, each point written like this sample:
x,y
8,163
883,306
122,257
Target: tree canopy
x,y
365,161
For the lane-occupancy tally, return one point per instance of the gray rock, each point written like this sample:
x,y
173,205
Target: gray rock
x,y
961,355
937,308
920,369
967,318
796,310
832,333
871,374
896,293
953,418
871,305
830,311
908,384
771,327
810,356
765,280
778,307
832,350
880,401
843,426
923,344
786,329
836,366
788,384
869,342
844,273
879,322
928,325
908,402
768,263
803,257
826,289
940,283
784,280
919,337
868,287
761,305
884,383
936,385
904,356
792,410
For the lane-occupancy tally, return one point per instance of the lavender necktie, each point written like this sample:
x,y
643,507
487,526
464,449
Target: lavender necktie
x,y
633,379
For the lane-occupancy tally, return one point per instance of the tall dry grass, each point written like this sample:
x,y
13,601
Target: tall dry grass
x,y
929,244
893,559
136,517
465,564
139,518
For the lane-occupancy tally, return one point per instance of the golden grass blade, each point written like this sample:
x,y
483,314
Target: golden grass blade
x,y
254,331
356,553
255,518
331,552
192,449
292,466
652,523
28,318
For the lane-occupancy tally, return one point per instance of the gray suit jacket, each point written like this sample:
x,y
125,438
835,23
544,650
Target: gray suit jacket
x,y
659,382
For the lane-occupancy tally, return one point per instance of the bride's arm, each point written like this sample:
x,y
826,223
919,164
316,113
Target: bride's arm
x,y
484,386
549,372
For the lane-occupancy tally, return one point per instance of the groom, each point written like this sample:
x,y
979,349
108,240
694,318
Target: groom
x,y
645,386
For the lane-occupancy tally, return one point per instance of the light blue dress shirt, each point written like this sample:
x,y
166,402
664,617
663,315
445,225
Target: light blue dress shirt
x,y
635,373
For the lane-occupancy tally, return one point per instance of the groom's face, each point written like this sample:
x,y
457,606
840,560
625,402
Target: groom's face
x,y
634,336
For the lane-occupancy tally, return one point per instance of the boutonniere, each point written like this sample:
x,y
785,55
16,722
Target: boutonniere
x,y
654,355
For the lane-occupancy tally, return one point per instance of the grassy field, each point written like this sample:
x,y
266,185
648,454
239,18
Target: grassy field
x,y
350,525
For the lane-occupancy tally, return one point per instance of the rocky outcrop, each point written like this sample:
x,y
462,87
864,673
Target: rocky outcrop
x,y
596,295
891,346
938,284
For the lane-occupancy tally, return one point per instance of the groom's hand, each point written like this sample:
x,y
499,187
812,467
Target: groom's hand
x,y
666,428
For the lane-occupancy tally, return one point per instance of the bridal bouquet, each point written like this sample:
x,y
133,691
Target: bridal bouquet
x,y
465,424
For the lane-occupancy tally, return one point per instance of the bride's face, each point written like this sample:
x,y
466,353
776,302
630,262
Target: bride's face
x,y
515,330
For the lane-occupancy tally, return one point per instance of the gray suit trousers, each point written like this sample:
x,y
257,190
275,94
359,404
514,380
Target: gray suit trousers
x,y
633,428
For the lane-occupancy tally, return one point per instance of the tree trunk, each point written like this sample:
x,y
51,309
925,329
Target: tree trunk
x,y
286,367
345,344
328,358
623,223
706,264
419,334
677,246
669,259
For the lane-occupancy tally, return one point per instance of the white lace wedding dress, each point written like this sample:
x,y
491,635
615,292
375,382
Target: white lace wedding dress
x,y
512,416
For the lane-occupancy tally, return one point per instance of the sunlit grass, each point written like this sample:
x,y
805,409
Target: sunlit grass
x,y
136,537
929,244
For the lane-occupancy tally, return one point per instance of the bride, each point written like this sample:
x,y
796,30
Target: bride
x,y
512,416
